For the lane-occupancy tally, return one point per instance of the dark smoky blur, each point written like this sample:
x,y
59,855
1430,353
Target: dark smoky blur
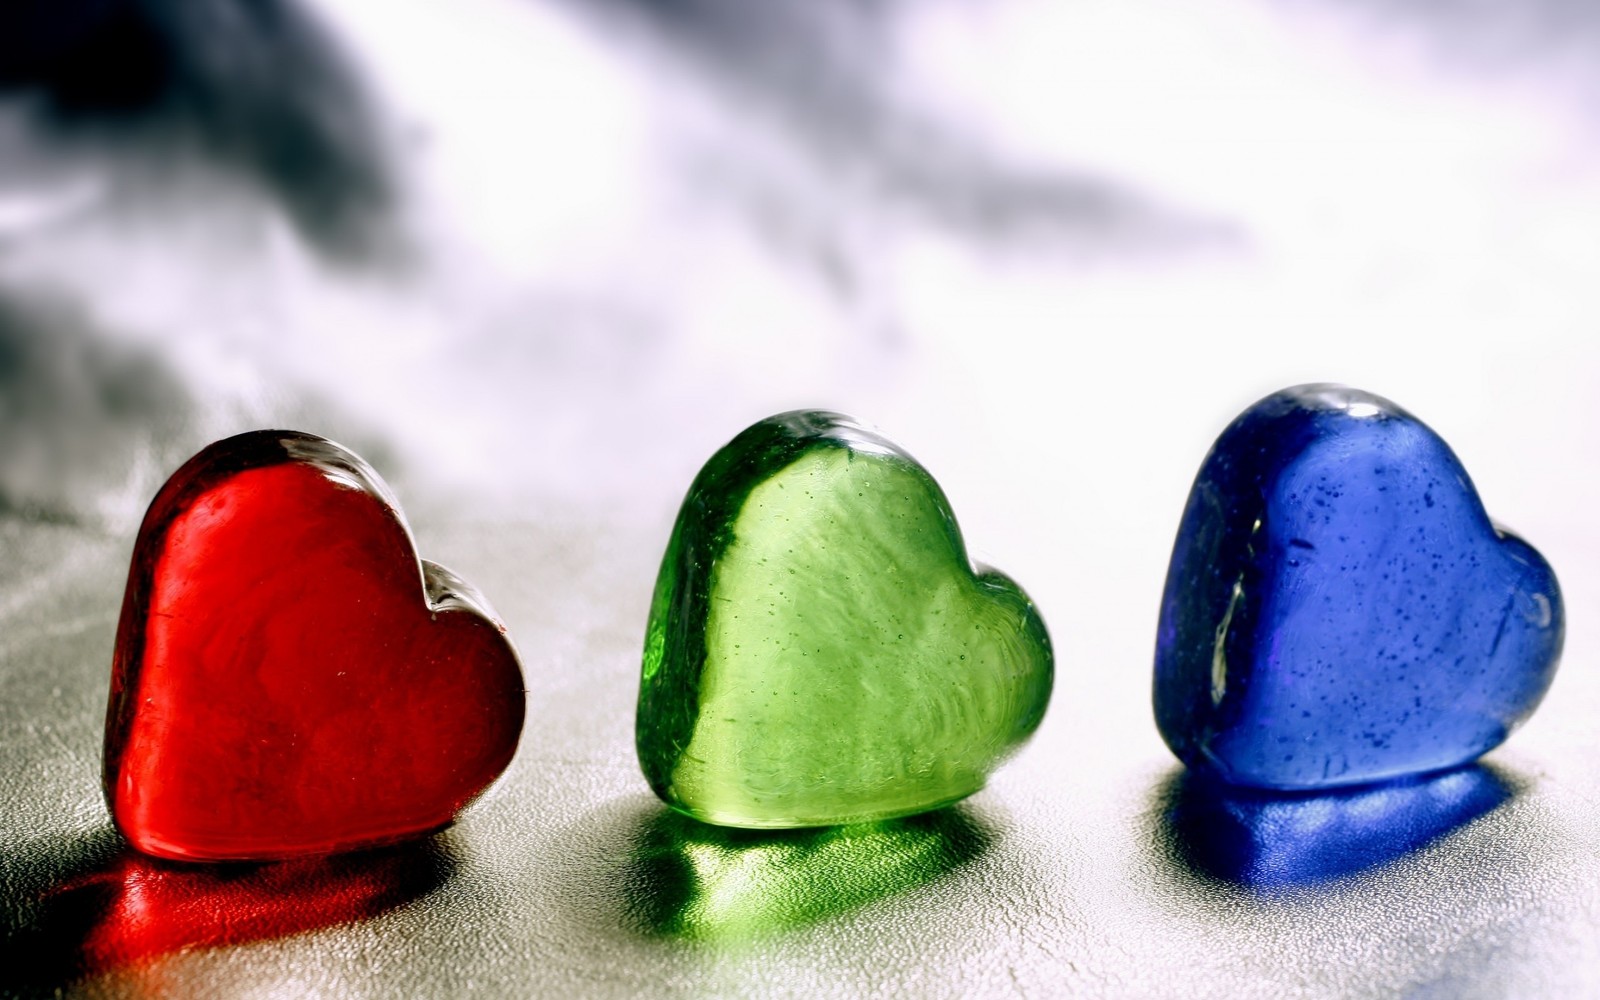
x,y
824,71
184,182
511,244
117,107
254,86
90,422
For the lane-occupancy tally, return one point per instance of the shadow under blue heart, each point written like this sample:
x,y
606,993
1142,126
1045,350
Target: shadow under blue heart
x,y
1264,841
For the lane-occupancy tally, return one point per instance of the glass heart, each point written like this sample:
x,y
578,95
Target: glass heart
x,y
820,649
1339,609
289,679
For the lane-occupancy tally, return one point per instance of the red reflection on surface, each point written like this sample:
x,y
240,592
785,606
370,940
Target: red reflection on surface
x,y
281,687
138,908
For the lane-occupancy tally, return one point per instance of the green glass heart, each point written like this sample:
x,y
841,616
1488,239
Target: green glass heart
x,y
820,649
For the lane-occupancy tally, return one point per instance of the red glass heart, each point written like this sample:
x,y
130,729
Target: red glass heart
x,y
289,679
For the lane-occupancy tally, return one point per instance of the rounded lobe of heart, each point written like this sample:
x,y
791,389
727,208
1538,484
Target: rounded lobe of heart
x,y
284,688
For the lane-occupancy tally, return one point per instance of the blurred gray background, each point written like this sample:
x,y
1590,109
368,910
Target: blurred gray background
x,y
537,259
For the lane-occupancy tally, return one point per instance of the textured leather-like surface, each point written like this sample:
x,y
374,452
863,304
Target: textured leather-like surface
x,y
1087,868
537,259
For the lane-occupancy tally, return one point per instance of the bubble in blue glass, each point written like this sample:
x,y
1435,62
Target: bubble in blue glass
x,y
1339,608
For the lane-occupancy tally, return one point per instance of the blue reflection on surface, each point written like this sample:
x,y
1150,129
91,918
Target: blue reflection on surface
x,y
1267,840
1339,608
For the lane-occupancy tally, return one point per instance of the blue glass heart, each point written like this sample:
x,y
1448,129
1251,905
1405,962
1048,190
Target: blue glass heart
x,y
1339,609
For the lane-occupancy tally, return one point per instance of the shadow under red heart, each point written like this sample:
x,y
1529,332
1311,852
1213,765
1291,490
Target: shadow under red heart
x,y
289,679
128,910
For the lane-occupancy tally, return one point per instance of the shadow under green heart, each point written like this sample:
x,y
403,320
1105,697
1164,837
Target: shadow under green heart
x,y
692,881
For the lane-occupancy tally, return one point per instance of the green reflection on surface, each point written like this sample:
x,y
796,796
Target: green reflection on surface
x,y
699,882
